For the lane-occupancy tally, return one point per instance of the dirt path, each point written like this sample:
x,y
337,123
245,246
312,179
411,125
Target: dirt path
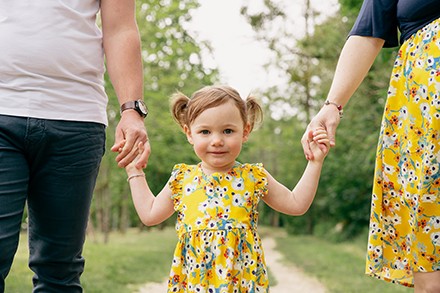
x,y
289,279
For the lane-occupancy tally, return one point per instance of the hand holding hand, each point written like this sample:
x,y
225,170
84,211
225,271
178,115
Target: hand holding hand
x,y
129,133
319,143
327,119
132,167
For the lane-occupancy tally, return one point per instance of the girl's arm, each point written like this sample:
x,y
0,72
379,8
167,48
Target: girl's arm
x,y
298,201
152,210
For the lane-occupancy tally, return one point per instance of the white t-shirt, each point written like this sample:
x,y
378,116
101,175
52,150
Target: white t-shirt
x,y
52,60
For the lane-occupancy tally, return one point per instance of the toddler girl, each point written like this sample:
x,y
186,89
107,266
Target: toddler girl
x,y
219,249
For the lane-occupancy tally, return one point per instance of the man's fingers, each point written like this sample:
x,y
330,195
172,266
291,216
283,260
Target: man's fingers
x,y
127,155
127,150
119,138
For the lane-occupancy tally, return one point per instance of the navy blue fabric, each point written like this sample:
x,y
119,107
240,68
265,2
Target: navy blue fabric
x,y
384,18
53,166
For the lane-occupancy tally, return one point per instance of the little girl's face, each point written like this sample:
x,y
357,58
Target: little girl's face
x,y
217,135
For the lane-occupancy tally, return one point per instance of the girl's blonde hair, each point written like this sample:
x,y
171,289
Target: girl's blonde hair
x,y
185,110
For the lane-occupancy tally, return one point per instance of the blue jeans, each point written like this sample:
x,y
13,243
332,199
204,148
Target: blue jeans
x,y
53,165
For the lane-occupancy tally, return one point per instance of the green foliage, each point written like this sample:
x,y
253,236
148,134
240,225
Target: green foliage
x,y
351,7
342,204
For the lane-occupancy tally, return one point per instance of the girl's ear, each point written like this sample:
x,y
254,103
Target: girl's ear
x,y
246,132
187,131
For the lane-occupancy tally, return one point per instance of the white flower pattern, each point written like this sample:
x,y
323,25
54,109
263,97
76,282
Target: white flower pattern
x,y
219,249
405,211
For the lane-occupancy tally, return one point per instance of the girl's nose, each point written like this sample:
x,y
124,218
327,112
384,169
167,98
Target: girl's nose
x,y
217,140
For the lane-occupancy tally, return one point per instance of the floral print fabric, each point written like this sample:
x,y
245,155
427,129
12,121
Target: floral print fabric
x,y
405,215
219,249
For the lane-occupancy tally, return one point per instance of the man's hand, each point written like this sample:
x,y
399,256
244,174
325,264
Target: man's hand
x,y
129,133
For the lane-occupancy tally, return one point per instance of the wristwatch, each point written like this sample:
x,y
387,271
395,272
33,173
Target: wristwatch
x,y
137,105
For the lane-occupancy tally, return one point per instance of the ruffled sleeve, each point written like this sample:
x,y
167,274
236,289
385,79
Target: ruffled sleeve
x,y
378,18
260,176
175,183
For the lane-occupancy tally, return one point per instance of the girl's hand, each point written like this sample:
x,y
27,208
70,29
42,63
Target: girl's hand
x,y
328,119
319,143
119,146
131,130
132,168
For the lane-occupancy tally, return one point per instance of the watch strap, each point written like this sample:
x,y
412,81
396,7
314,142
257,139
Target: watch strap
x,y
138,105
128,105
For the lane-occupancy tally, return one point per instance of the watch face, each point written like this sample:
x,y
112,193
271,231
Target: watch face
x,y
142,107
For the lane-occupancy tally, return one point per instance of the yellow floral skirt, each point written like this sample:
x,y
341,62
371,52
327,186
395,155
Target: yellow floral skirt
x,y
405,214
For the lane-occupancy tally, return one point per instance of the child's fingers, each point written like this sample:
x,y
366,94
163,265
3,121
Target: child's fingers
x,y
323,142
320,135
322,138
118,148
144,154
319,131
323,148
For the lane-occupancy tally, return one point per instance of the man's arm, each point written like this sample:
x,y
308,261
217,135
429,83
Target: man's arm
x,y
122,49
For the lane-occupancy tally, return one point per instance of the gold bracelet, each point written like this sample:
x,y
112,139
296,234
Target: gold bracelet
x,y
339,107
135,175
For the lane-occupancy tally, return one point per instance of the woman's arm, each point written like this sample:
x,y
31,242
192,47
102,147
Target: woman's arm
x,y
357,56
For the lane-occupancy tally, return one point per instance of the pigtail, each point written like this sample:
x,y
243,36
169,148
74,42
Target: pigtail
x,y
179,107
254,112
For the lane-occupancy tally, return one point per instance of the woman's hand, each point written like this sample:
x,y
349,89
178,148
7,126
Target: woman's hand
x,y
319,143
328,119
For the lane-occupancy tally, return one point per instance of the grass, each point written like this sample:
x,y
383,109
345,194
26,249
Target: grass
x,y
129,260
339,266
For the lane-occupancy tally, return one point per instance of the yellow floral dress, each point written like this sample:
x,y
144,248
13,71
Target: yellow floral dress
x,y
405,215
219,249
